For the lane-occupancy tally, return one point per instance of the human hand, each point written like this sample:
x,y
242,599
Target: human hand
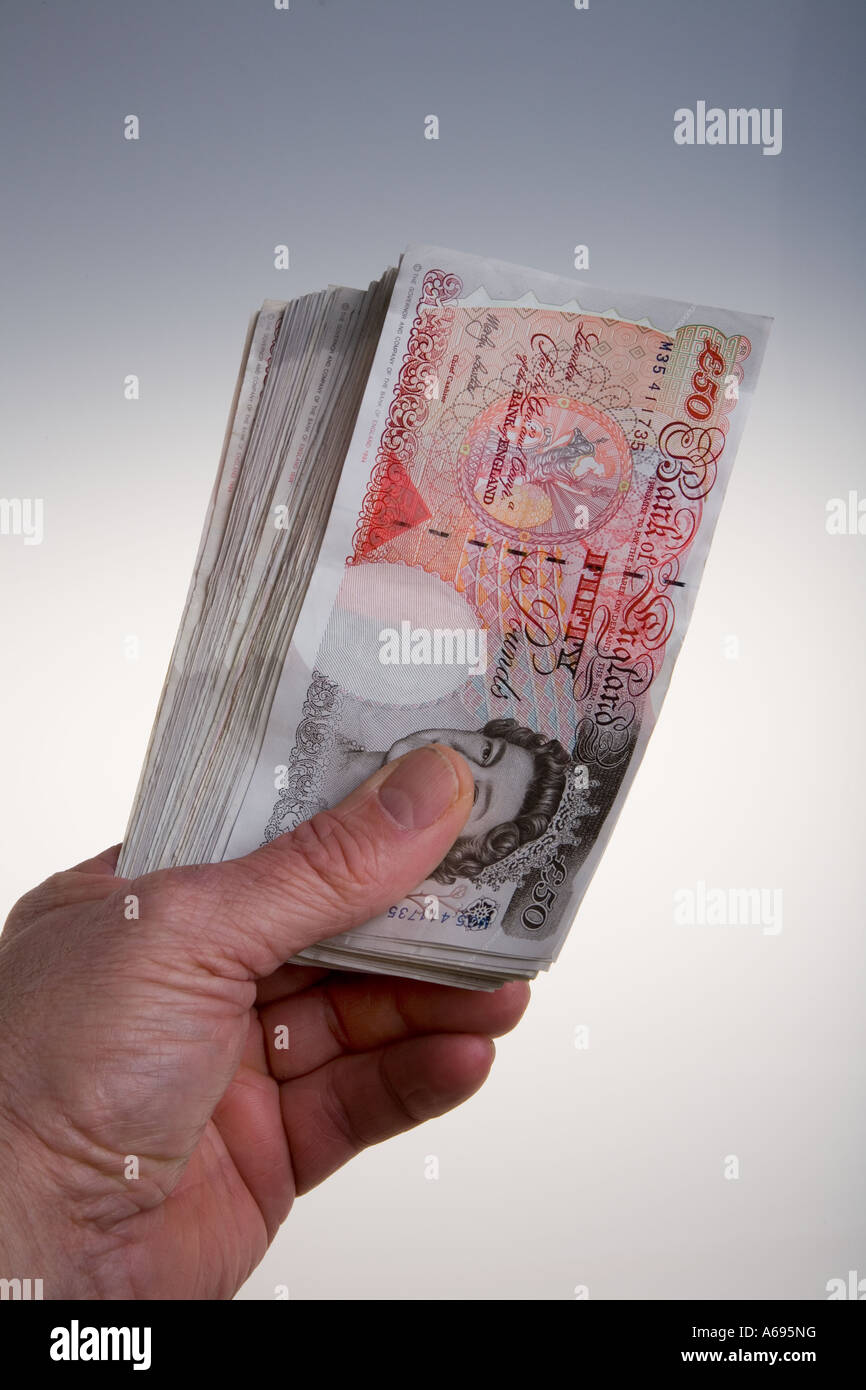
x,y
152,1137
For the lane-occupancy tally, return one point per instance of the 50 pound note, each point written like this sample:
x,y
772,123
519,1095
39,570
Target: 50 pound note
x,y
509,567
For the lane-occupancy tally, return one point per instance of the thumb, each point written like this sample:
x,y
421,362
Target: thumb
x,y
347,865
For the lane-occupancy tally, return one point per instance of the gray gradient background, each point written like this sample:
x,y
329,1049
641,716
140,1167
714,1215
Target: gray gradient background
x,y
601,1167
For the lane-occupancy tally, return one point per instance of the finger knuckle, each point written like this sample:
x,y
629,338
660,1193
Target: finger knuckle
x,y
337,1117
49,894
166,899
339,862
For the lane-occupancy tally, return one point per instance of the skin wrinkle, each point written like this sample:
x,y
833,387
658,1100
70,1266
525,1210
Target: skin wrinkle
x,y
338,1114
400,1102
341,856
394,1000
334,1021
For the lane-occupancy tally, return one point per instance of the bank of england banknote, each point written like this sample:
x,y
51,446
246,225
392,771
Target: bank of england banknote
x,y
509,566
470,506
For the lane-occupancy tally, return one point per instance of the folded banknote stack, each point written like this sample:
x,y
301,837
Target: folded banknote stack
x,y
470,504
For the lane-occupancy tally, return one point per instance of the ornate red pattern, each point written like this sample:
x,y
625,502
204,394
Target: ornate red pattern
x,y
391,501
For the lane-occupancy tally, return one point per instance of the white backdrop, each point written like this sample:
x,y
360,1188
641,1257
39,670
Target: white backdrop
x,y
601,1166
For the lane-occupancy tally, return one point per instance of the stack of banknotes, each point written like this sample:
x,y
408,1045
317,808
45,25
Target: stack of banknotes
x,y
470,504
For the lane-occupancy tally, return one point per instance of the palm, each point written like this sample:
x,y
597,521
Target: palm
x,y
216,1225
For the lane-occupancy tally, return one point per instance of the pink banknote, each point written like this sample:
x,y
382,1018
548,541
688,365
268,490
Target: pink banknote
x,y
536,467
